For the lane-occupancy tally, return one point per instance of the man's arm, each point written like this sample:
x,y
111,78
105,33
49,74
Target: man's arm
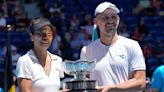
x,y
136,82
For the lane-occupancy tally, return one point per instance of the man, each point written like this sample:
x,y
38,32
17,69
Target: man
x,y
157,84
120,63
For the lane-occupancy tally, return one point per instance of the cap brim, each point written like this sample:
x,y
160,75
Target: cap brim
x,y
103,6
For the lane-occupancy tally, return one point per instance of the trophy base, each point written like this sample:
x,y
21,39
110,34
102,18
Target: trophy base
x,y
81,86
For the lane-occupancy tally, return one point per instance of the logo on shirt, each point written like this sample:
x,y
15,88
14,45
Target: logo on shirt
x,y
122,56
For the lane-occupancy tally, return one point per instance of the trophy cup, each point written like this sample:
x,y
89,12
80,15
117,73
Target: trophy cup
x,y
80,69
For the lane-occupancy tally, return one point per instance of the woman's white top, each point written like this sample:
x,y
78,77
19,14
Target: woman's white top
x,y
29,67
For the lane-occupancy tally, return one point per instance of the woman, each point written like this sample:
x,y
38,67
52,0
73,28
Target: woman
x,y
39,70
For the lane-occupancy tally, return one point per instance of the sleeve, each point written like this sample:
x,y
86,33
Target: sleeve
x,y
156,79
23,69
137,61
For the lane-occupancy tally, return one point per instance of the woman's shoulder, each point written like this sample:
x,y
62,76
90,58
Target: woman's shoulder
x,y
29,57
25,56
55,57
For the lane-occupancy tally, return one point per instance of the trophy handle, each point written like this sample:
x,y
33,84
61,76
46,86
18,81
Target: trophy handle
x,y
68,67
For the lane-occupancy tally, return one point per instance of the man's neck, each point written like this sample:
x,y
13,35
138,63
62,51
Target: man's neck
x,y
107,41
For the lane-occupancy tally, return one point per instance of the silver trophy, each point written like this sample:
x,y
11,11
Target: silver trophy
x,y
80,69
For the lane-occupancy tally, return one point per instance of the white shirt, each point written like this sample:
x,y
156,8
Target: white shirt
x,y
115,62
29,67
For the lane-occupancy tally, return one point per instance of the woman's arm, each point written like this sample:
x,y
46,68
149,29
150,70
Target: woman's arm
x,y
25,85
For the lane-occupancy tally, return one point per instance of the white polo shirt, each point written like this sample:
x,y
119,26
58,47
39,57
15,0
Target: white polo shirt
x,y
29,67
115,62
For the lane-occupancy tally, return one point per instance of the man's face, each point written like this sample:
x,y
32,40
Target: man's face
x,y
107,22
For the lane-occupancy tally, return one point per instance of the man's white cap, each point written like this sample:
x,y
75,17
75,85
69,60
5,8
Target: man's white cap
x,y
103,6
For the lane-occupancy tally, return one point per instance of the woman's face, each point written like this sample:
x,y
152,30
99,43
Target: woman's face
x,y
42,38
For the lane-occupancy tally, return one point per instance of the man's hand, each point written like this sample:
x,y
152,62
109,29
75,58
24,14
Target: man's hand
x,y
104,88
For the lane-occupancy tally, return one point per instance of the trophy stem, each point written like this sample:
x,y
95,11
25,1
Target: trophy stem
x,y
80,75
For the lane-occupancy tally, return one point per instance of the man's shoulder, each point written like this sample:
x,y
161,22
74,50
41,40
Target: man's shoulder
x,y
93,43
91,47
127,41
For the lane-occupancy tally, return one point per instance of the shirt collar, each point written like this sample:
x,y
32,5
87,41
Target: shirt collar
x,y
33,56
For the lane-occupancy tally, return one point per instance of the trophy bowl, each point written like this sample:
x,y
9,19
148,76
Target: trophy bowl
x,y
80,69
